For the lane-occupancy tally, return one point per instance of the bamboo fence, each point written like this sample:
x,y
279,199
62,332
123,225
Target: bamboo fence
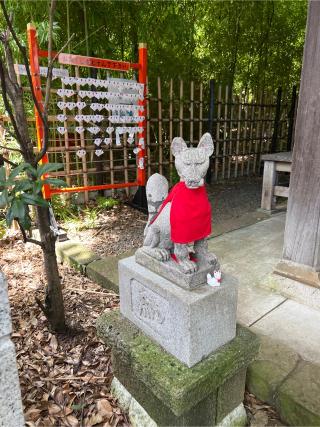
x,y
242,125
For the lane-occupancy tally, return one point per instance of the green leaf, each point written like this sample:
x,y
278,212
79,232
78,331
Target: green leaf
x,y
37,186
9,217
4,198
2,175
34,199
48,167
25,222
19,169
18,208
55,182
23,185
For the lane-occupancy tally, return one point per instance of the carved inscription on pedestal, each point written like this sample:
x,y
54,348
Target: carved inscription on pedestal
x,y
149,307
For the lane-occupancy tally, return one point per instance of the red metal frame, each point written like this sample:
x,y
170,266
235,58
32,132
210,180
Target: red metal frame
x,y
68,59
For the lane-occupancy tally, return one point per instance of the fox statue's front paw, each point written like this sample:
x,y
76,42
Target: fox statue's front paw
x,y
211,258
188,266
158,253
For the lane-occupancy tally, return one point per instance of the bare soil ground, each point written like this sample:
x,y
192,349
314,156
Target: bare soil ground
x,y
65,379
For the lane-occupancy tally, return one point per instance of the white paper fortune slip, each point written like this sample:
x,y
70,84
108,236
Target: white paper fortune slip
x,y
99,152
61,129
80,129
141,163
93,129
61,117
97,141
126,119
71,105
81,153
65,92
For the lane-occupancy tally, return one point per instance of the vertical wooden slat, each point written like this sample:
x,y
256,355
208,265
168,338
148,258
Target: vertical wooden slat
x,y
225,133
191,111
238,136
160,144
244,135
82,143
257,135
125,161
200,109
252,116
170,126
218,134
181,110
66,140
230,144
148,142
262,131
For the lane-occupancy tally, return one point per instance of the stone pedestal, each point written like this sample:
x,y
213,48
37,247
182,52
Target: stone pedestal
x,y
157,389
190,325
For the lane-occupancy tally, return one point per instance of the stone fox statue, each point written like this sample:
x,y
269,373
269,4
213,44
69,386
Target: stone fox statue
x,y
183,216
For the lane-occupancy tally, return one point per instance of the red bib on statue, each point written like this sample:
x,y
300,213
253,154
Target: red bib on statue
x,y
190,214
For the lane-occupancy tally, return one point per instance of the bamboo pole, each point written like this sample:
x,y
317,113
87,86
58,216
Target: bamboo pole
x,y
244,142
257,138
238,136
82,143
160,144
191,111
147,142
170,127
225,133
200,110
66,140
230,146
216,172
181,110
252,116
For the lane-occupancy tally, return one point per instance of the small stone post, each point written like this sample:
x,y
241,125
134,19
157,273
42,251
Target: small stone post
x,y
11,412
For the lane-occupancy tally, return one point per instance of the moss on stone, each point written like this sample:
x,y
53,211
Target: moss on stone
x,y
170,380
298,397
75,254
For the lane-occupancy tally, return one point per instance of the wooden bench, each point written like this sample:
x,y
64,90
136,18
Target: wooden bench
x,y
274,163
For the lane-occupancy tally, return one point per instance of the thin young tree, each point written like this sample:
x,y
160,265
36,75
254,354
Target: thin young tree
x,y
19,194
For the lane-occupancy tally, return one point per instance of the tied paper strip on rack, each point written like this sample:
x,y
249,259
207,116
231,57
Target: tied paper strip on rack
x,y
118,84
130,130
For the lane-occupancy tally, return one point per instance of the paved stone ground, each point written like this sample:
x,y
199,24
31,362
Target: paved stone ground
x,y
287,373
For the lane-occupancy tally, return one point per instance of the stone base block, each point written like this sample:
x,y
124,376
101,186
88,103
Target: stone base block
x,y
188,324
169,392
140,418
170,270
11,412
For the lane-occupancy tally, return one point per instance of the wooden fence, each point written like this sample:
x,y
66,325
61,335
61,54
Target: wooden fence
x,y
244,125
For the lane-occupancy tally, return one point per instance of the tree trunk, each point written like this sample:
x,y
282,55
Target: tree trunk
x,y
54,307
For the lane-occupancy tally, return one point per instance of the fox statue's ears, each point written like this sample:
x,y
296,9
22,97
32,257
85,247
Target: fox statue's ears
x,y
206,143
178,145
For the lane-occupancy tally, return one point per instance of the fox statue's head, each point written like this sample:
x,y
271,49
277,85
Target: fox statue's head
x,y
192,163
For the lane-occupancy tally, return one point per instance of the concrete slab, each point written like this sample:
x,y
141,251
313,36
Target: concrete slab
x,y
275,362
254,303
298,399
105,271
76,254
296,325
